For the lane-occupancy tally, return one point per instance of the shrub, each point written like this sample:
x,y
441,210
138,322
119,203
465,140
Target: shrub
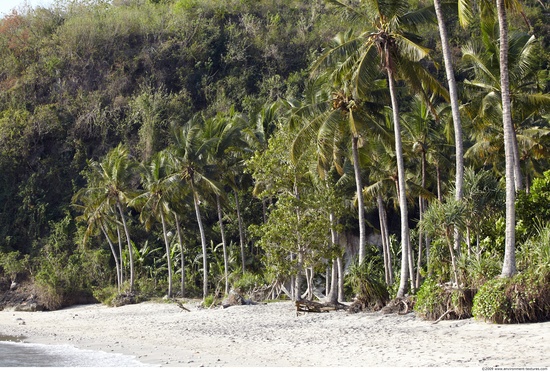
x,y
367,286
246,282
435,300
520,299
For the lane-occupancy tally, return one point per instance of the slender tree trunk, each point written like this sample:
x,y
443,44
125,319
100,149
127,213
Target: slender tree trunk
x,y
182,258
453,93
405,239
383,232
341,296
119,235
203,243
509,266
298,279
117,264
517,161
388,245
168,255
224,244
438,180
360,201
421,208
453,258
241,230
264,210
130,251
332,295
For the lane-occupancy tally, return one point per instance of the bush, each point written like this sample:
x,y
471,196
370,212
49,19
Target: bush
x,y
435,300
520,299
246,282
367,286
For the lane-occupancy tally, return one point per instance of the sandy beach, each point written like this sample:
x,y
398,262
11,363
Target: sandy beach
x,y
272,335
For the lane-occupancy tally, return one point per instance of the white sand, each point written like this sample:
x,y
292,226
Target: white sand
x,y
272,335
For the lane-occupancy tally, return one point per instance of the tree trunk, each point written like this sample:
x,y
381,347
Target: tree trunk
x,y
130,251
360,201
341,296
120,253
203,243
168,255
405,239
182,258
453,94
509,265
517,162
241,230
117,264
224,245
332,295
421,208
383,233
298,279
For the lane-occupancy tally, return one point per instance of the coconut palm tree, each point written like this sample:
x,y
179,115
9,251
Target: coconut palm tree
x,y
386,43
154,202
189,156
226,130
111,187
329,116
98,216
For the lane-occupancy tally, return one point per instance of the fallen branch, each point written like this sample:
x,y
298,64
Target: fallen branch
x,y
304,305
182,307
444,314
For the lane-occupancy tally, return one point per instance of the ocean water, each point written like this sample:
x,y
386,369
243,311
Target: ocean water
x,y
20,354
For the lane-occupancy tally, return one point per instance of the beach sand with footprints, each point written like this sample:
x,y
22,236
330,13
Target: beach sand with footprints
x,y
273,335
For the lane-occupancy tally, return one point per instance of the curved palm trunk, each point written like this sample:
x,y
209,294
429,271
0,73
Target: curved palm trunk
x,y
453,93
182,260
405,239
168,257
509,266
360,201
224,244
241,230
117,264
203,242
130,251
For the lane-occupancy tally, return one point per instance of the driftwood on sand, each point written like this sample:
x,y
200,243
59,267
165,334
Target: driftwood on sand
x,y
304,305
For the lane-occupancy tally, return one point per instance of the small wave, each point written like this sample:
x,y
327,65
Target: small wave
x,y
18,354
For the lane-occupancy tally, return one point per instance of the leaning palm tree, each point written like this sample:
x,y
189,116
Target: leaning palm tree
x,y
98,216
110,185
386,43
189,156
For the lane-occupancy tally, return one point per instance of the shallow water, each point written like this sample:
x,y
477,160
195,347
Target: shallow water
x,y
15,353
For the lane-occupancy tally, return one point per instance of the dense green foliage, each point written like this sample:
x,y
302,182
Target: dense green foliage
x,y
190,145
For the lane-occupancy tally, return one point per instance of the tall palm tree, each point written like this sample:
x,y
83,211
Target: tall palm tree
x,y
455,109
226,130
154,202
329,116
509,265
386,42
189,155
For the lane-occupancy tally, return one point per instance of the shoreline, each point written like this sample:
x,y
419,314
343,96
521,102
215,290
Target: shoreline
x,y
272,335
